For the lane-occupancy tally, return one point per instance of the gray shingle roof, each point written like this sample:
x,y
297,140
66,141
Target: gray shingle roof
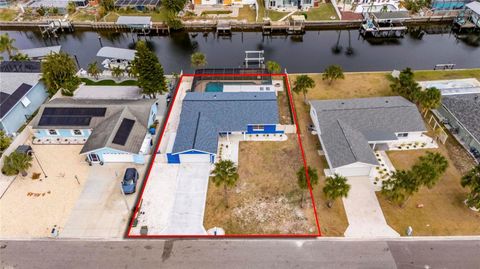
x,y
348,124
466,109
105,128
205,115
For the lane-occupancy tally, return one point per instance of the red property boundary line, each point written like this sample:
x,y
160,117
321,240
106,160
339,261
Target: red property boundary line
x,y
299,139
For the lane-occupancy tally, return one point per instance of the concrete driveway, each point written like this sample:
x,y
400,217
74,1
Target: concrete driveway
x,y
190,197
101,211
364,214
174,199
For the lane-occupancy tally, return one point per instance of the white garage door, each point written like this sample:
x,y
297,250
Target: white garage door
x,y
117,158
354,171
194,158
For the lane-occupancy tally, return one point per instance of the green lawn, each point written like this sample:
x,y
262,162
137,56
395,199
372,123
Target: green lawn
x,y
7,14
276,15
157,15
321,13
109,82
83,16
447,74
247,13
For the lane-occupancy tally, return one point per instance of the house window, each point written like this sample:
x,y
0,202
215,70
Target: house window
x,y
77,132
25,101
402,135
52,132
258,127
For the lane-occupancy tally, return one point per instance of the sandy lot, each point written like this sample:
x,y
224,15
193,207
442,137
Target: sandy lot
x,y
31,207
266,199
443,212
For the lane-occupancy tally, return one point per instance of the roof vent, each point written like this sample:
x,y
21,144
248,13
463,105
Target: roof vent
x,y
386,101
214,96
342,103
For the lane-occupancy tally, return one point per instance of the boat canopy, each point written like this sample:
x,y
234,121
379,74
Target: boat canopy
x,y
40,52
116,53
134,20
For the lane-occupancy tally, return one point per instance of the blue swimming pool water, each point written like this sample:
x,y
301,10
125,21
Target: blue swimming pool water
x,y
448,5
214,87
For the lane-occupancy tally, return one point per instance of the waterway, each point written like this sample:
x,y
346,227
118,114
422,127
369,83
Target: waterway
x,y
422,48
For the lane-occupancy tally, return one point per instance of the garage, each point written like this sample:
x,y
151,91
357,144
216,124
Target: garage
x,y
117,158
354,170
194,158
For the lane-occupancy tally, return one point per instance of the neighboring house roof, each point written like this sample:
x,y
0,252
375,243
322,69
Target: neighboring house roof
x,y
40,52
347,125
108,92
21,66
466,108
116,53
205,115
104,117
475,6
6,104
9,82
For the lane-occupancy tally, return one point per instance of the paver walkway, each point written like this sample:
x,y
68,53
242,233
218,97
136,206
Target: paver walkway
x,y
364,214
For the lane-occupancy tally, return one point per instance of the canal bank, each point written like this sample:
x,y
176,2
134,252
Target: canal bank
x,y
235,25
422,48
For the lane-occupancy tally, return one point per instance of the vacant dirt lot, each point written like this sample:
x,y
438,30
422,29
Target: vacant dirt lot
x,y
443,212
31,207
266,199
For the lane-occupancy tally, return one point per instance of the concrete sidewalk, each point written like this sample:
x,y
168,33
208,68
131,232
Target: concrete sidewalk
x,y
364,214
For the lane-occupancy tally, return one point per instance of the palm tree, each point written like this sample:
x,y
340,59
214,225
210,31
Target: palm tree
x,y
16,163
332,73
336,186
273,67
430,98
303,182
302,84
20,57
226,174
6,44
4,141
472,181
93,70
400,186
198,59
117,72
438,163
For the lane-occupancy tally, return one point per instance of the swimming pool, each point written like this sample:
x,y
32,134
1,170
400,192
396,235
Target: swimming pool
x,y
218,86
448,5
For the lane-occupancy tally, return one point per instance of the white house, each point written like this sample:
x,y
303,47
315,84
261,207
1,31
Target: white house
x,y
351,129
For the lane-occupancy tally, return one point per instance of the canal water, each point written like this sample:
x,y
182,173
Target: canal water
x,y
422,48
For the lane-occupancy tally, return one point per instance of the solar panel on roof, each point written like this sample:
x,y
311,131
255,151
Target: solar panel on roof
x,y
64,121
123,132
74,111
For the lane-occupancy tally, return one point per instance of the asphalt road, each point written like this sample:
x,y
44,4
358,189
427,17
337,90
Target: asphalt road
x,y
323,253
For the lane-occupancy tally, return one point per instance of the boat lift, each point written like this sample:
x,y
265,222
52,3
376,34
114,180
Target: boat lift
x,y
254,58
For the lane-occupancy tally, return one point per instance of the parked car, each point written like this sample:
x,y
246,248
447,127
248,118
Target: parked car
x,y
129,182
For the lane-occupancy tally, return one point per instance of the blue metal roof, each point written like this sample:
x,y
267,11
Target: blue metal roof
x,y
205,115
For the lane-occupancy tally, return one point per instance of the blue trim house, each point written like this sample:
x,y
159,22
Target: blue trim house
x,y
206,116
110,130
21,94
